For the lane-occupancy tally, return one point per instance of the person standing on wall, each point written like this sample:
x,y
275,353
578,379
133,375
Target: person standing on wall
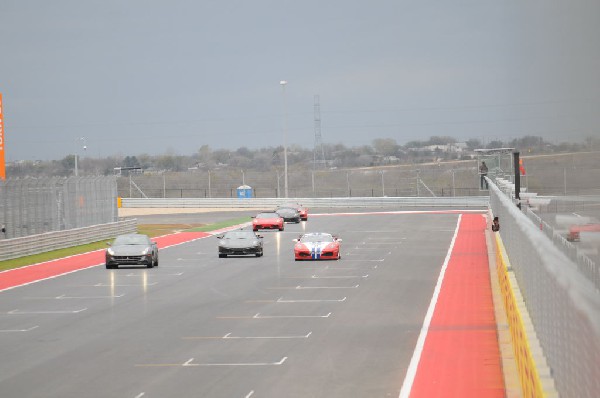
x,y
483,170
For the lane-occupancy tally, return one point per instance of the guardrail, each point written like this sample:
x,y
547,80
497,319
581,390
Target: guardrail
x,y
267,203
34,244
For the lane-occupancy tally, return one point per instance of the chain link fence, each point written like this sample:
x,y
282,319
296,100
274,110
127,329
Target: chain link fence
x,y
424,181
563,302
35,206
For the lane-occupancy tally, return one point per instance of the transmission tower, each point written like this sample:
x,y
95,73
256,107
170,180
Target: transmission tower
x,y
318,152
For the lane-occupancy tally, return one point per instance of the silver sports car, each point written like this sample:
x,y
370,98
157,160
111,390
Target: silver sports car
x,y
132,249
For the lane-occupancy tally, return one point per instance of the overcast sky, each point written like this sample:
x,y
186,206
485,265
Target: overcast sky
x,y
149,76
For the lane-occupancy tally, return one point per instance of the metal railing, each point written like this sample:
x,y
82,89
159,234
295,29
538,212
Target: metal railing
x,y
267,203
34,244
563,303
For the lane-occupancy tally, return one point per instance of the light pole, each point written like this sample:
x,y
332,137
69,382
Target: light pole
x,y
285,165
77,155
382,184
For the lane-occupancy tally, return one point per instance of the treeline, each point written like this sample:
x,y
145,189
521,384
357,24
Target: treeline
x,y
382,151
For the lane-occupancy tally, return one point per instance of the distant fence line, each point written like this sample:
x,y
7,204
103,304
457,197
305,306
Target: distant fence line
x,y
34,206
572,175
429,181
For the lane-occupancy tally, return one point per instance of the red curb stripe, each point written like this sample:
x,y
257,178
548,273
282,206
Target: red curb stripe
x,y
461,357
34,273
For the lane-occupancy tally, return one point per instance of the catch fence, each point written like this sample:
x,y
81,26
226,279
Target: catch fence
x,y
562,300
35,206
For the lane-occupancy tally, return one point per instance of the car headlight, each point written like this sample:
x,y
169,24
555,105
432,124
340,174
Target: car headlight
x,y
221,243
146,250
256,243
110,251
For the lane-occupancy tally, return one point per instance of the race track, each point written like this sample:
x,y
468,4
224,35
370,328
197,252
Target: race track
x,y
200,326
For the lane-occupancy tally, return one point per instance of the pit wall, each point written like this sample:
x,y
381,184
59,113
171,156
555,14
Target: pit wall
x,y
534,374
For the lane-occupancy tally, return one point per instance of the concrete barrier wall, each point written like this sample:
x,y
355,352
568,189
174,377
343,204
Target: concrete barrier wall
x,y
34,244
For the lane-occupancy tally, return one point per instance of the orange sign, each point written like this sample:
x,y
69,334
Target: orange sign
x,y
521,167
2,164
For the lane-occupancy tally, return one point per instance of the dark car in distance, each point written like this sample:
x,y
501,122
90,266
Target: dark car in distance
x,y
289,214
132,249
300,208
240,242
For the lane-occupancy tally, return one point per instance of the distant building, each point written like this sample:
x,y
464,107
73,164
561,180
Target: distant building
x,y
128,170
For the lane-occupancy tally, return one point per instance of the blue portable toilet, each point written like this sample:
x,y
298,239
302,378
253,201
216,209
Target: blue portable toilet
x,y
244,192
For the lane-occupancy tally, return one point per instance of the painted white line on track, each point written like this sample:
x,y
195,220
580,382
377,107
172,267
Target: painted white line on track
x,y
281,300
65,297
259,316
189,363
327,287
339,277
18,312
140,395
18,330
300,287
414,362
228,336
251,393
121,285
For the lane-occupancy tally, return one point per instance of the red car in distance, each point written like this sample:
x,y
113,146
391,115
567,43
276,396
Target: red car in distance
x,y
575,231
303,211
267,220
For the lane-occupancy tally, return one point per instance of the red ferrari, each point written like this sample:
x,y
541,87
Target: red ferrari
x,y
317,246
270,220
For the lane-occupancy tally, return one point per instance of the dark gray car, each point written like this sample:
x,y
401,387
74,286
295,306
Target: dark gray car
x,y
240,242
132,249
289,214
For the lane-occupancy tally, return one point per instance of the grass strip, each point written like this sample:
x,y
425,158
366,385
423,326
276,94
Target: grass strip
x,y
150,230
222,224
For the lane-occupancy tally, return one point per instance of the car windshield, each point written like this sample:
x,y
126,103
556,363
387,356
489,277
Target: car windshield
x,y
317,238
239,235
286,210
131,240
267,215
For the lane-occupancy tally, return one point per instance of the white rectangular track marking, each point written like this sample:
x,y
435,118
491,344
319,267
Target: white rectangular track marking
x,y
18,312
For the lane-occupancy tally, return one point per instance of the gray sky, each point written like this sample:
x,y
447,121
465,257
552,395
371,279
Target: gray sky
x,y
148,76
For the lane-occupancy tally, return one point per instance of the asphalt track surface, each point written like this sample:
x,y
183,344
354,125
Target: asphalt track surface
x,y
201,326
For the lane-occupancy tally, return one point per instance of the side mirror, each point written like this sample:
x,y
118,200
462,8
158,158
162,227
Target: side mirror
x,y
295,240
219,236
